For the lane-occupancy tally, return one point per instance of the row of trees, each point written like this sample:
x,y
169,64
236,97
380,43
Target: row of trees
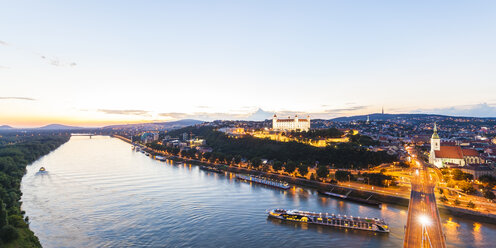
x,y
14,156
316,133
288,156
378,179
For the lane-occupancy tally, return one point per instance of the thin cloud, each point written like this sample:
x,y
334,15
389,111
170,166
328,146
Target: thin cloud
x,y
174,115
17,98
125,112
57,62
204,116
51,60
259,114
348,109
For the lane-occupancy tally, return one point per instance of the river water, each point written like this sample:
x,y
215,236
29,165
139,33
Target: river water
x,y
99,193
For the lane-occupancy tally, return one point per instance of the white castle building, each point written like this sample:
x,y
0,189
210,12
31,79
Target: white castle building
x,y
295,124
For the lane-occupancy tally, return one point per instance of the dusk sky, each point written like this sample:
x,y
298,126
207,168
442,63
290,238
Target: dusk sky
x,y
92,63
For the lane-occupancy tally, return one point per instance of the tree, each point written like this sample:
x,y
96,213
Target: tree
x,y
313,177
17,221
488,180
256,162
303,169
457,174
460,175
3,214
342,175
323,171
290,167
8,233
237,159
488,194
466,187
277,165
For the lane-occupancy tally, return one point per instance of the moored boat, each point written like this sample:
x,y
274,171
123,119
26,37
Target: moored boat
x,y
264,180
326,219
368,201
161,158
211,169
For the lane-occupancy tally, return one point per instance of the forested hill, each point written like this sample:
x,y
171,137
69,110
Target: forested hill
x,y
16,152
341,156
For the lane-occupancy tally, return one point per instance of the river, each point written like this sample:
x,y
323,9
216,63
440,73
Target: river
x,y
98,192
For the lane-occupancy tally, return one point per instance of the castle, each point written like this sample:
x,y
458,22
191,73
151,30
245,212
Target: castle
x,y
289,124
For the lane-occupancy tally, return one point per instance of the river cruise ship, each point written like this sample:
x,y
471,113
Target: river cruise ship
x,y
264,180
368,224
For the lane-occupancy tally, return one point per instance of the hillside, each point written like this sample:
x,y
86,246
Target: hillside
x,y
157,125
388,117
58,127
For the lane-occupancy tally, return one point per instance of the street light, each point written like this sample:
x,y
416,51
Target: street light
x,y
425,221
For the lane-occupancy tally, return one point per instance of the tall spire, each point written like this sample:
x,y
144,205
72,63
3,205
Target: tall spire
x,y
383,110
435,135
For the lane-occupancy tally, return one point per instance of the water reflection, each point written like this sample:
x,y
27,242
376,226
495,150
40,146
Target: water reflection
x,y
100,193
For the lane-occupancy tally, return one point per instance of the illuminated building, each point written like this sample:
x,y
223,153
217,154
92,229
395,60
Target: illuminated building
x,y
449,155
295,124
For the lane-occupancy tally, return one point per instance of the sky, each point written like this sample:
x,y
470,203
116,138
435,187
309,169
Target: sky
x,y
94,63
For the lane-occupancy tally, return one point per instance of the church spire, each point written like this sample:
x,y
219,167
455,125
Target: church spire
x,y
435,135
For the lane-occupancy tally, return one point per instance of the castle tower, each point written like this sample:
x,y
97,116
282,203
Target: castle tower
x,y
274,120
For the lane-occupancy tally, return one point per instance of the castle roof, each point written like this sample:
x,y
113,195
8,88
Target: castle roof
x,y
291,120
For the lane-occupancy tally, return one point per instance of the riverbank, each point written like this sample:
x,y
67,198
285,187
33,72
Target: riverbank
x,y
15,156
360,193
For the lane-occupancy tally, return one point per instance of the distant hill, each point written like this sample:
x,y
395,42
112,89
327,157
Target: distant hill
x,y
387,117
260,115
158,125
3,127
58,127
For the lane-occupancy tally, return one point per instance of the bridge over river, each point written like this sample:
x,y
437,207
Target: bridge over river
x,y
423,228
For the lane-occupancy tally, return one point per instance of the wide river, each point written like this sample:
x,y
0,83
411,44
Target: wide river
x,y
99,193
